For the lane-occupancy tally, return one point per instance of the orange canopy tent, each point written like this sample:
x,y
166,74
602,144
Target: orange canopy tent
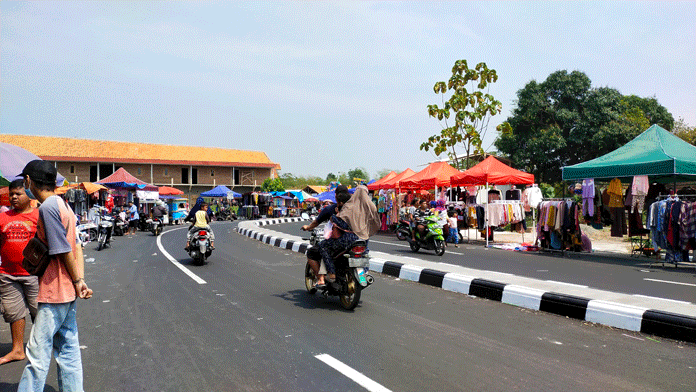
x,y
437,174
491,171
393,182
375,185
89,187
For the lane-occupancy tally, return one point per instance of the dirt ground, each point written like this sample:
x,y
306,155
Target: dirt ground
x,y
602,241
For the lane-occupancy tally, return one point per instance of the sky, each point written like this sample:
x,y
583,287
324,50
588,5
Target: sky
x,y
320,87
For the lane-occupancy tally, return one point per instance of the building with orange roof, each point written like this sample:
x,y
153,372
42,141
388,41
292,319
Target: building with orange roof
x,y
187,168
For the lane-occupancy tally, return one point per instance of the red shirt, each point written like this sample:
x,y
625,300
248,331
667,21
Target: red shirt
x,y
15,232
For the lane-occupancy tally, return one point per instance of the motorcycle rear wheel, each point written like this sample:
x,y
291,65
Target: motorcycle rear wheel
x,y
350,300
310,278
158,230
102,239
439,247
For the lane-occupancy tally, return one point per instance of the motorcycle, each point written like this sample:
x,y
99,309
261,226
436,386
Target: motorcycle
x,y
87,232
432,238
352,273
224,214
199,249
403,230
155,225
105,228
142,223
120,227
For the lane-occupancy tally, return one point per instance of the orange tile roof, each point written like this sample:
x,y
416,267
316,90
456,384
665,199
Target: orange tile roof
x,y
83,150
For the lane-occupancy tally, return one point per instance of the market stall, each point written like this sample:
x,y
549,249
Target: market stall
x,y
376,185
492,171
654,158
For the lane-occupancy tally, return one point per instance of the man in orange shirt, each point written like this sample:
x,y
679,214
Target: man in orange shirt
x,y
18,289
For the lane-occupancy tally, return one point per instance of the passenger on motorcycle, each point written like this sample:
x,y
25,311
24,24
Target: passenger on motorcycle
x,y
201,220
314,254
159,210
418,216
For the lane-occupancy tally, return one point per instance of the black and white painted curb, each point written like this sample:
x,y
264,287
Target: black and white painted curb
x,y
649,321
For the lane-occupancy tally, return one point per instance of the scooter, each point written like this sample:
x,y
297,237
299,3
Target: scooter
x,y
120,227
403,230
432,238
155,225
200,248
105,228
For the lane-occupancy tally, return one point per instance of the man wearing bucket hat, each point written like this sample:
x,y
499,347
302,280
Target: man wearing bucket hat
x,y
55,326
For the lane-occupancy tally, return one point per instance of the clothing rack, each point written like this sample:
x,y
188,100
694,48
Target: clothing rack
x,y
677,197
542,249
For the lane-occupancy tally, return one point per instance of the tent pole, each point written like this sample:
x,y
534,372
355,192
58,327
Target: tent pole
x,y
486,234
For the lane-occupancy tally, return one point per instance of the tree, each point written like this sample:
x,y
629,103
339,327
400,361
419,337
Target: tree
x,y
331,177
563,121
358,173
684,131
272,185
384,172
470,107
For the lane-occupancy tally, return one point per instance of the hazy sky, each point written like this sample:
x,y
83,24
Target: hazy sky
x,y
319,86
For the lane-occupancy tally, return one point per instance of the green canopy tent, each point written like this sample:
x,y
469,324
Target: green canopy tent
x,y
656,153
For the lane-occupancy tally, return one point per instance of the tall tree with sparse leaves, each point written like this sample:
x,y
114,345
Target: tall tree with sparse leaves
x,y
465,115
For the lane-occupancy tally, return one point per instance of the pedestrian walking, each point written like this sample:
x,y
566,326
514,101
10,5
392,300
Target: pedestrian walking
x,y
55,327
18,289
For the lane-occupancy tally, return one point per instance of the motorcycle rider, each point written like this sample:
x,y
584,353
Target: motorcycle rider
x,y
159,211
201,220
314,257
418,216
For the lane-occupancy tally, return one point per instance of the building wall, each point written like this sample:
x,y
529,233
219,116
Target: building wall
x,y
222,175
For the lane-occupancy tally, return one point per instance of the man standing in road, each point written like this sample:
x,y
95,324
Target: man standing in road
x,y
55,327
134,218
18,289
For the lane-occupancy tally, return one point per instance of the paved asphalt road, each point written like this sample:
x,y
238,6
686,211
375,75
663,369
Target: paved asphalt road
x,y
622,274
253,327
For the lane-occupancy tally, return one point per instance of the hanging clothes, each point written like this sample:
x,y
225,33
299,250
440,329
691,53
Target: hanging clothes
x,y
588,196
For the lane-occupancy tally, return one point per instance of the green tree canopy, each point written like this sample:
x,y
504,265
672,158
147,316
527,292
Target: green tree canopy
x,y
465,115
272,185
684,131
563,121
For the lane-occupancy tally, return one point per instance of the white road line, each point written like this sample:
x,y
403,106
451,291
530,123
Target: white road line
x,y
351,373
390,243
166,254
668,281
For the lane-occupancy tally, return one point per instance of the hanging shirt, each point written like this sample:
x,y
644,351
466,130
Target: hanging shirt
x,y
588,188
615,192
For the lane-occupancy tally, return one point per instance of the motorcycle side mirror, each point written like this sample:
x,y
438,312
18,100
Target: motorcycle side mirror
x,y
305,216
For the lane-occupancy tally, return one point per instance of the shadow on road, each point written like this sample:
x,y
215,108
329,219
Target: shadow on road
x,y
306,300
7,387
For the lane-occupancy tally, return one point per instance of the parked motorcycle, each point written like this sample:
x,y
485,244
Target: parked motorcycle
x,y
87,232
432,238
105,228
224,214
155,225
120,227
352,272
200,249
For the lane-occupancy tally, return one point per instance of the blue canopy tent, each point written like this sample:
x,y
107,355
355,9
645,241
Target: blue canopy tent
x,y
331,195
220,191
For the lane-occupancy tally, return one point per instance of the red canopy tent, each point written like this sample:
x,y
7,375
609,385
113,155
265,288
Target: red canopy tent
x,y
375,185
393,183
437,174
169,191
122,179
491,171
